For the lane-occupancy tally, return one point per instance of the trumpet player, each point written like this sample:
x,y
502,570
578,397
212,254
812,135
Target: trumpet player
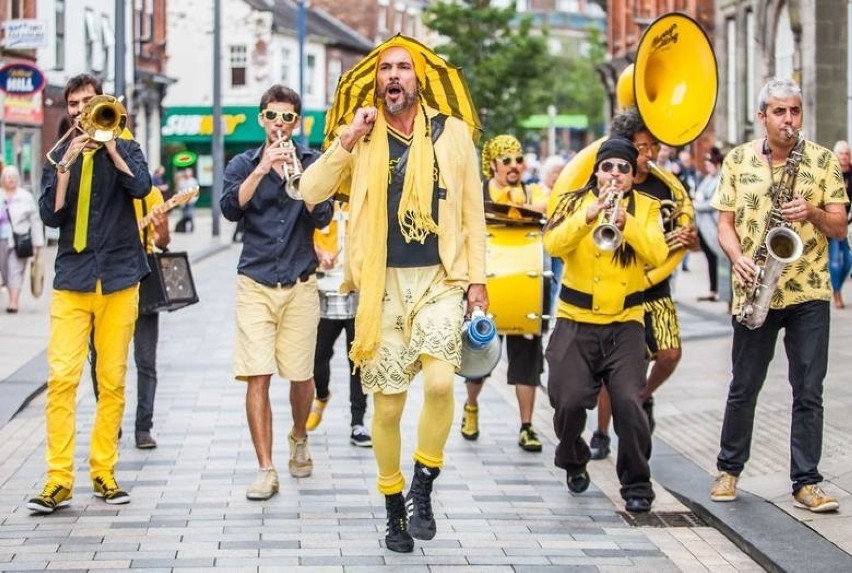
x,y
812,203
662,330
599,336
277,303
99,264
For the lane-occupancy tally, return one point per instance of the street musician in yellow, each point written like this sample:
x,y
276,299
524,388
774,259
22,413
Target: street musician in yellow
x,y
662,330
606,233
502,167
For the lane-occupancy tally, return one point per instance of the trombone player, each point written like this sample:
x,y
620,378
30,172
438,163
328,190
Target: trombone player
x,y
606,234
88,190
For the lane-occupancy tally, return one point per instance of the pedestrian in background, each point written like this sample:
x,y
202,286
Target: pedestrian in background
x,y
814,206
416,251
18,215
99,263
839,254
707,220
277,305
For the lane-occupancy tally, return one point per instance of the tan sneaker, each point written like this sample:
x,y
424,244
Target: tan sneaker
x,y
724,488
315,417
301,465
265,486
812,498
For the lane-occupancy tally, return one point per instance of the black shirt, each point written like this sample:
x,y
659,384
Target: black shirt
x,y
654,187
400,253
278,244
114,253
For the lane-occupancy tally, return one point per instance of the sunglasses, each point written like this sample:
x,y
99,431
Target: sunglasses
x,y
286,116
508,160
623,168
643,148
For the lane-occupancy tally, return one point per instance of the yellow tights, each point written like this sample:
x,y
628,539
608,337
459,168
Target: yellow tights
x,y
433,428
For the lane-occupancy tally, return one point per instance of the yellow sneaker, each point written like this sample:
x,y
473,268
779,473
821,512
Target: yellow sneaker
x,y
724,488
812,498
470,422
51,498
315,417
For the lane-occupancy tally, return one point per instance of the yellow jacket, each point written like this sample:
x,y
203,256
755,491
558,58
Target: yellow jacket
x,y
658,274
593,272
461,217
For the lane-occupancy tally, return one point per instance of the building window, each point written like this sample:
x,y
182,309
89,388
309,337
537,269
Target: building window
x,y
785,47
335,70
310,69
239,61
59,19
286,67
107,41
751,51
143,23
92,38
15,9
731,79
383,17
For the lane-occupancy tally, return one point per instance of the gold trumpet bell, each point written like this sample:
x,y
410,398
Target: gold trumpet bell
x,y
676,79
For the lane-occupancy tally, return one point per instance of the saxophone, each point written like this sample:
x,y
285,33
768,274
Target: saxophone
x,y
779,245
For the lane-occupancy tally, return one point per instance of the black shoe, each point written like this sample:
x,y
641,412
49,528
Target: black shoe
x,y
418,502
599,445
637,505
397,537
578,483
648,406
145,441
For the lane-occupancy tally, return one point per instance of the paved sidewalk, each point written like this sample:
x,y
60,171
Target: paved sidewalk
x,y
498,508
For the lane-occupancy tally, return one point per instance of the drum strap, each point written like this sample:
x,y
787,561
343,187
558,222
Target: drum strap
x,y
584,300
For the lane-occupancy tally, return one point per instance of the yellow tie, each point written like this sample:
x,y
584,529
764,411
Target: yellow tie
x,y
81,226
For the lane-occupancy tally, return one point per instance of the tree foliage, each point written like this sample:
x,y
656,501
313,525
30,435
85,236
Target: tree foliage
x,y
505,61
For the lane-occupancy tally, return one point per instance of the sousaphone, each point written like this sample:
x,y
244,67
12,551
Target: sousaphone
x,y
673,84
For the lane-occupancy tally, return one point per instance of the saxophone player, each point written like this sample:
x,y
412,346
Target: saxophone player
x,y
599,337
780,177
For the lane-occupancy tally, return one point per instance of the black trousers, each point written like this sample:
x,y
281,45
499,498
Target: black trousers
x,y
146,334
580,357
327,333
806,330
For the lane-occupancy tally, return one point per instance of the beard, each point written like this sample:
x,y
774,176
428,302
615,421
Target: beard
x,y
409,98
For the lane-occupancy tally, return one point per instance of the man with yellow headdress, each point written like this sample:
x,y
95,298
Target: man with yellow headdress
x,y
503,165
416,251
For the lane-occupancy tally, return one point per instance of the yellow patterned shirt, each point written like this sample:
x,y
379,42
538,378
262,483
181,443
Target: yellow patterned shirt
x,y
744,190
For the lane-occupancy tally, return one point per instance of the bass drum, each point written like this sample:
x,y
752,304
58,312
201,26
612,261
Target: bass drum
x,y
518,279
334,305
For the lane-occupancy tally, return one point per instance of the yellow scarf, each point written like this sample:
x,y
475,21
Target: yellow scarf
x,y
415,221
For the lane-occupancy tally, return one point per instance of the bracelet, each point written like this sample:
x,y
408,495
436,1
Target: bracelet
x,y
61,167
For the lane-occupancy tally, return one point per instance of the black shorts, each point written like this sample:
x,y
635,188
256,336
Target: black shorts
x,y
526,360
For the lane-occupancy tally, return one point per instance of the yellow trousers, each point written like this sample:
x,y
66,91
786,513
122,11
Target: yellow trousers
x,y
72,316
433,427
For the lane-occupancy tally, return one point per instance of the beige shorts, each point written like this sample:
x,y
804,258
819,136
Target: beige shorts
x,y
276,329
421,314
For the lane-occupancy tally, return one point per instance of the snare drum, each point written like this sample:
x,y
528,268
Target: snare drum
x,y
335,305
517,278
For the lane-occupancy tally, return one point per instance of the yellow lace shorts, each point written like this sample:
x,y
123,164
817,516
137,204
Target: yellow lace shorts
x,y
421,314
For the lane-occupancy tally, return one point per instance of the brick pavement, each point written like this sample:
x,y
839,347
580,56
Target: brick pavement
x,y
498,507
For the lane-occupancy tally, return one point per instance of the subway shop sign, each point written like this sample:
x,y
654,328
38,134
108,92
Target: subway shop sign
x,y
185,124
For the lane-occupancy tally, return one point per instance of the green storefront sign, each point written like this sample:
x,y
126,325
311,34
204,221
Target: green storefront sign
x,y
194,124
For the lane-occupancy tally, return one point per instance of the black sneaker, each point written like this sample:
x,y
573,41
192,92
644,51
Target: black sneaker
x,y
578,483
360,436
648,406
599,445
397,537
418,502
637,505
528,440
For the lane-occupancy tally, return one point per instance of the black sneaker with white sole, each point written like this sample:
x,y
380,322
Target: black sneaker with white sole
x,y
360,436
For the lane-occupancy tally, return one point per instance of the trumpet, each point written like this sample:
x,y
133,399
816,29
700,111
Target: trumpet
x,y
606,235
103,118
676,219
292,174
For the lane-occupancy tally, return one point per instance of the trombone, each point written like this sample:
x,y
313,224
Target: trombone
x,y
292,174
103,118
